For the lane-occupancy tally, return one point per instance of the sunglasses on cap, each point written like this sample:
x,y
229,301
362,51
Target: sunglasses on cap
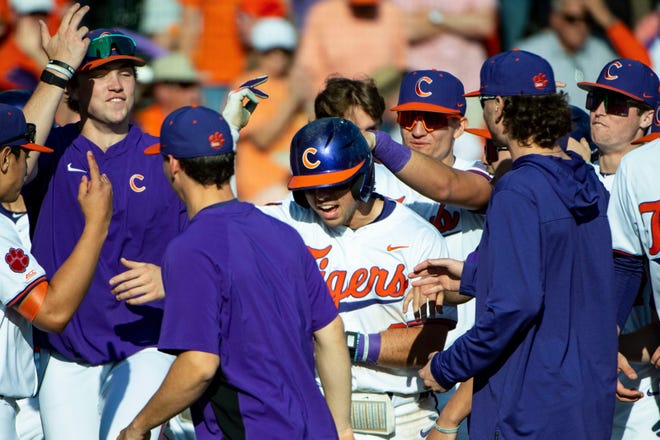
x,y
430,120
29,136
102,46
615,103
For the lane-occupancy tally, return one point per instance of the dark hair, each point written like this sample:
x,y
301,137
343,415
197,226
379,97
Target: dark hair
x,y
541,120
74,83
208,170
15,150
340,94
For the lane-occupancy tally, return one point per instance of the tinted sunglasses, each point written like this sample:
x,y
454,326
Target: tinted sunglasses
x,y
572,19
101,47
430,120
29,136
615,103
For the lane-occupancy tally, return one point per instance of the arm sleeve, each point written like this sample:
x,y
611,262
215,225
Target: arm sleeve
x,y
625,43
512,302
468,276
628,275
190,299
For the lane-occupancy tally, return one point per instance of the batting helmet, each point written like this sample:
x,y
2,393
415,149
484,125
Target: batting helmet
x,y
330,152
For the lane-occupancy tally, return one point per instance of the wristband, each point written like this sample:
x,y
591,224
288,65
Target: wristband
x,y
57,68
363,348
69,69
445,430
392,154
51,78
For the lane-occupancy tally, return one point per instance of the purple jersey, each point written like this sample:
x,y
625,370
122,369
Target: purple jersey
x,y
146,215
242,285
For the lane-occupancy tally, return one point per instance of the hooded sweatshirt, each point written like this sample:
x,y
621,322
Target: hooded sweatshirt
x,y
544,346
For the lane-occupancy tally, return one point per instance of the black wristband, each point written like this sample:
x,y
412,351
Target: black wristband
x,y
51,78
63,64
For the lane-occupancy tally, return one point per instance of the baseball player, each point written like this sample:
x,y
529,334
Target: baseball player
x,y
633,221
620,104
245,359
364,246
104,365
546,307
28,298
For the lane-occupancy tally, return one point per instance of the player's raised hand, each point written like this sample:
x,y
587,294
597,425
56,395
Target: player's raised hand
x,y
622,393
95,195
237,112
423,306
426,375
140,284
70,42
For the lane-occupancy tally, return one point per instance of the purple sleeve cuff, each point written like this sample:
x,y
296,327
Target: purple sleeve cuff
x,y
436,371
368,348
392,154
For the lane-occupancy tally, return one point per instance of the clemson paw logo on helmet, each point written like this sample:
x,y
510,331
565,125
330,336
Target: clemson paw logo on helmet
x,y
17,260
216,140
540,81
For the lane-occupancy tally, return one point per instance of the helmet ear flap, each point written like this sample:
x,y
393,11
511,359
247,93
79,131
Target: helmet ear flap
x,y
299,197
356,188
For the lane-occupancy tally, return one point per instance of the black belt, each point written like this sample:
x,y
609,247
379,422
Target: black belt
x,y
421,396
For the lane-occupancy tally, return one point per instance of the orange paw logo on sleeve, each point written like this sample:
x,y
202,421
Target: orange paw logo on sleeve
x,y
17,260
216,140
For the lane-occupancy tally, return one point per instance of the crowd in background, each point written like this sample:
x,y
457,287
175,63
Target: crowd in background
x,y
199,49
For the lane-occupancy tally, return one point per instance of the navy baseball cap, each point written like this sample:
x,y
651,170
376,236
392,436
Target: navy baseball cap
x,y
516,73
16,132
655,129
107,45
431,91
193,132
628,77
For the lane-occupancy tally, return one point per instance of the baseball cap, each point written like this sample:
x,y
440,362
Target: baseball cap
x,y
22,7
273,33
109,45
16,132
481,132
655,129
174,67
431,91
516,73
193,131
628,77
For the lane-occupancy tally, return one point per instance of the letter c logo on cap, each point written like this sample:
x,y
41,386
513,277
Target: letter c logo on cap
x,y
418,87
305,159
608,73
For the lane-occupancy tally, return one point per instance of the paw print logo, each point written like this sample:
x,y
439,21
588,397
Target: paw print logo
x,y
216,140
540,81
17,260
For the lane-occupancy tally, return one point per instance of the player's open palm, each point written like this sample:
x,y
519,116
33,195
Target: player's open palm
x,y
95,195
69,43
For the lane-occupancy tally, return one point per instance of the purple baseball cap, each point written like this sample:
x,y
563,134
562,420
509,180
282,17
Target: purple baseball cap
x,y
107,45
516,73
16,132
431,91
193,132
628,77
655,129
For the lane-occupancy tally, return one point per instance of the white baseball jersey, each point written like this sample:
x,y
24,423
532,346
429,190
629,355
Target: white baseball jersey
x,y
634,209
19,273
461,228
606,179
366,272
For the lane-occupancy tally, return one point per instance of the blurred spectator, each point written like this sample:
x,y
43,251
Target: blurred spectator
x,y
159,20
112,13
210,37
21,57
253,10
175,84
262,156
350,38
572,49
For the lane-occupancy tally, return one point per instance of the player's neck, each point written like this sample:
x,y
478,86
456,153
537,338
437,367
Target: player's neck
x,y
366,213
201,197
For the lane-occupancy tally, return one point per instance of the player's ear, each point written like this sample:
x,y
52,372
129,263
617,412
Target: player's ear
x,y
646,119
5,154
